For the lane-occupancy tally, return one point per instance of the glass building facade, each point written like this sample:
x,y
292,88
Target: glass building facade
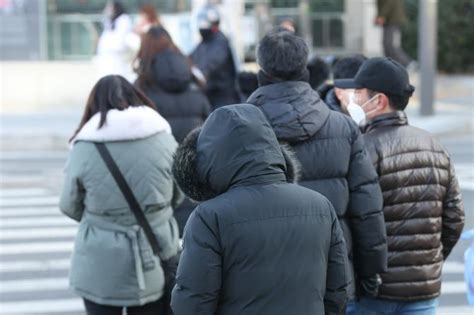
x,y
69,29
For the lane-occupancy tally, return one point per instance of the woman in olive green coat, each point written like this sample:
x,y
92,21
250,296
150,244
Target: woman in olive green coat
x,y
113,265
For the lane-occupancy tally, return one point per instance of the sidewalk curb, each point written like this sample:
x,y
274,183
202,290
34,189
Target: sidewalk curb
x,y
52,132
448,118
443,125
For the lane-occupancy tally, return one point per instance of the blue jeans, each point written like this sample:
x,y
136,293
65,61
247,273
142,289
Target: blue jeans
x,y
351,308
371,306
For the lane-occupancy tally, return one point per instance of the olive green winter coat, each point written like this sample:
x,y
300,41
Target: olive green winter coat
x,y
393,11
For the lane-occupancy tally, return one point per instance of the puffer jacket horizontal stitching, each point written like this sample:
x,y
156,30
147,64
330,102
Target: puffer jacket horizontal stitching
x,y
410,202
323,178
411,186
282,217
416,265
408,219
412,250
414,234
412,151
413,168
417,281
403,203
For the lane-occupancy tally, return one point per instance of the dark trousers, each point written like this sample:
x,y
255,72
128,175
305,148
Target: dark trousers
x,y
392,44
153,308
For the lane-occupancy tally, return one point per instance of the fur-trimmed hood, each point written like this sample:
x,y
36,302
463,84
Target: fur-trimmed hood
x,y
235,147
132,123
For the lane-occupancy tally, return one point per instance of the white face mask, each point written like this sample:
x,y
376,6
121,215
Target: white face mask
x,y
356,111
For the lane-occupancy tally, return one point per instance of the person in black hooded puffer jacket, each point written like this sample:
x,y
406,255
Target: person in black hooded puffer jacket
x,y
257,243
164,74
330,149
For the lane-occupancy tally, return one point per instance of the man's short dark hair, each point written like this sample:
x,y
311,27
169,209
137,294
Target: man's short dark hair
x,y
282,55
396,102
319,72
347,67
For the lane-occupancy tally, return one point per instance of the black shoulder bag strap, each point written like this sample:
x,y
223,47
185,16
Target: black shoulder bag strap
x,y
129,196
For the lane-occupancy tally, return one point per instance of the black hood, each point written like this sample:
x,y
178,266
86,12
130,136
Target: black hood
x,y
236,146
171,71
328,94
324,89
293,108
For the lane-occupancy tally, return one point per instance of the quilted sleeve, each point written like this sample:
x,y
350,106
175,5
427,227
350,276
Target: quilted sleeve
x,y
71,202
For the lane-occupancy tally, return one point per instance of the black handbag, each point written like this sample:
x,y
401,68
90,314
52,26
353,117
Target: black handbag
x,y
169,266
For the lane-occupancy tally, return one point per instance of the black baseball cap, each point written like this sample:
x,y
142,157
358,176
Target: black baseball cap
x,y
382,75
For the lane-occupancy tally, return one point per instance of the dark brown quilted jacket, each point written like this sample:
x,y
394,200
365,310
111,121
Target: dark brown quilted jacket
x,y
423,209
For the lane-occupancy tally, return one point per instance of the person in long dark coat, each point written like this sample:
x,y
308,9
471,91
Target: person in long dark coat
x,y
165,76
216,60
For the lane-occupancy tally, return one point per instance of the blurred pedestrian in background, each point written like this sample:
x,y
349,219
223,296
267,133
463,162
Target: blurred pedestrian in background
x,y
113,265
331,151
391,16
164,75
257,244
319,72
335,97
288,24
423,209
147,18
215,59
116,43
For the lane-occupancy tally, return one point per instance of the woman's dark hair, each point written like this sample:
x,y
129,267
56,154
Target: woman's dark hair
x,y
118,9
153,42
150,12
111,92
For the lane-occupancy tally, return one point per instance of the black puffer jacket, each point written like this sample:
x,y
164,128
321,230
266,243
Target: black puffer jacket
x,y
334,162
182,104
257,244
422,206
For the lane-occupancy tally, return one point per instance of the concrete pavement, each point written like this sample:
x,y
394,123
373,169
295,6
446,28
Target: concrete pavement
x,y
448,118
51,130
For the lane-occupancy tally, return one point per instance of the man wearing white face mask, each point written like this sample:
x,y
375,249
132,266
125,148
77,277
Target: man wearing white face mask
x,y
423,208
